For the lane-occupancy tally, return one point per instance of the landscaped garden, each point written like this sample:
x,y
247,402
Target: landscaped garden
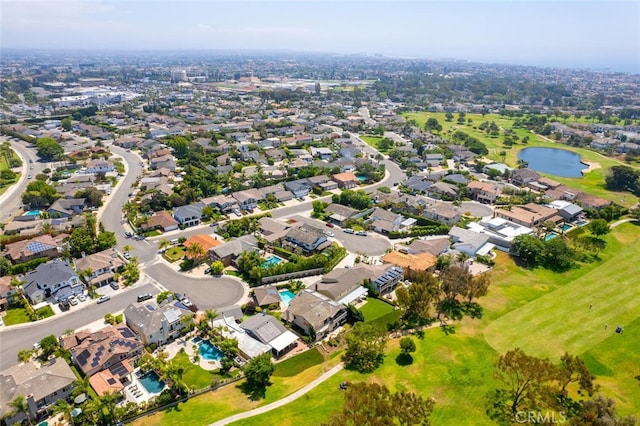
x,y
173,254
375,309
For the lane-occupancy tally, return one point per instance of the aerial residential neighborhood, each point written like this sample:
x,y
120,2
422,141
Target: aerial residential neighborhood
x,y
281,238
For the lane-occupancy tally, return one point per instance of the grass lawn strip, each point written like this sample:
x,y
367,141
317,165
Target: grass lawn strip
x,y
374,309
16,316
562,319
298,363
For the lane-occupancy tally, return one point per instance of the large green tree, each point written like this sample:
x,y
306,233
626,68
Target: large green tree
x,y
49,149
366,343
258,372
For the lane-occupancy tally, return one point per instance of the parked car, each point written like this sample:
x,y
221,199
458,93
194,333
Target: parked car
x,y
348,230
361,233
126,255
207,271
138,237
237,212
29,177
329,234
114,285
73,301
103,299
330,225
179,297
36,346
82,297
128,234
143,297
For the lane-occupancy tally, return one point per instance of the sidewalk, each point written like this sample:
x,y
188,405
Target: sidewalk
x,y
282,401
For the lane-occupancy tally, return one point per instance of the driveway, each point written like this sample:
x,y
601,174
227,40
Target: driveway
x,y
476,209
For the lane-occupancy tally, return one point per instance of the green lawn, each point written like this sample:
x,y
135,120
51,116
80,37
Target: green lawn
x,y
16,316
195,377
562,318
456,370
45,312
173,254
374,309
298,363
374,141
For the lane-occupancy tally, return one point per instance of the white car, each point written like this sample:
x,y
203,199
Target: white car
x,y
82,297
329,234
73,301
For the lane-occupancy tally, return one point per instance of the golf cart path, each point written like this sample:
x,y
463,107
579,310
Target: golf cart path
x,y
280,402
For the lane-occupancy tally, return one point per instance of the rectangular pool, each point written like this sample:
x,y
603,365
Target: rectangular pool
x,y
151,382
286,296
550,236
32,213
565,227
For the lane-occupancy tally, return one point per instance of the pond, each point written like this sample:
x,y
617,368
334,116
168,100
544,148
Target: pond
x,y
558,162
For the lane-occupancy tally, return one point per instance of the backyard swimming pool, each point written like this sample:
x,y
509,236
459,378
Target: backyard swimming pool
x,y
270,261
550,236
32,213
565,227
208,351
151,382
286,296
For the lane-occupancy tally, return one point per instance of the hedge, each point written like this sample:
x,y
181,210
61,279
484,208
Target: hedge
x,y
418,231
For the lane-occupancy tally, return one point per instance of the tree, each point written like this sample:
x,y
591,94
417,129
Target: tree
x,y
526,382
528,248
131,273
366,343
49,345
24,355
81,241
373,404
217,267
49,149
164,244
196,252
385,144
210,315
622,178
572,369
62,406
448,116
108,400
66,124
601,411
478,286
258,372
407,347
416,301
599,227
318,208
39,194
19,405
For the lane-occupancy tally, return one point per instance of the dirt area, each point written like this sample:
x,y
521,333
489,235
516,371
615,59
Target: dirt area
x,y
592,166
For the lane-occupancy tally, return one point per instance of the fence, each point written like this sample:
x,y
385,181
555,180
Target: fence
x,y
291,275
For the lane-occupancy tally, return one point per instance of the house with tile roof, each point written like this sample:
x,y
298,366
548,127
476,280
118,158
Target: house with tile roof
x,y
315,314
159,324
34,248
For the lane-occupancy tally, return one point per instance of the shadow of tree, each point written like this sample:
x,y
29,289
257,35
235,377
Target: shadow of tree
x,y
255,393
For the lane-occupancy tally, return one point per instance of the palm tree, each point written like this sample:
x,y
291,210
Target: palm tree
x,y
109,400
462,257
127,247
164,243
47,228
62,406
19,405
196,252
210,315
81,386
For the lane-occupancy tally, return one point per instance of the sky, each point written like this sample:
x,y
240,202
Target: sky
x,y
570,33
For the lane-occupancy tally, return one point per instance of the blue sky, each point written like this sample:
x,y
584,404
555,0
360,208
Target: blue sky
x,y
592,34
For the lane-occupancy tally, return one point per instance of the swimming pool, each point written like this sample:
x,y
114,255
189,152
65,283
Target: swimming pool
x,y
550,236
32,213
270,261
151,382
566,227
581,222
209,351
361,178
286,296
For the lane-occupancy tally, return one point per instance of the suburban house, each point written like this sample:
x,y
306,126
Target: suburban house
x,y
501,232
248,199
189,215
160,220
266,295
568,211
229,252
592,202
25,250
522,177
315,314
159,324
7,293
66,207
102,266
207,242
407,261
268,330
345,180
470,242
340,214
483,192
52,279
307,239
248,346
384,278
530,214
343,285
442,190
224,203
442,212
435,246
105,349
322,153
99,165
299,188
384,221
41,386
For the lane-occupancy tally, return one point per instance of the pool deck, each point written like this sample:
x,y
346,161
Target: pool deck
x,y
186,343
136,392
